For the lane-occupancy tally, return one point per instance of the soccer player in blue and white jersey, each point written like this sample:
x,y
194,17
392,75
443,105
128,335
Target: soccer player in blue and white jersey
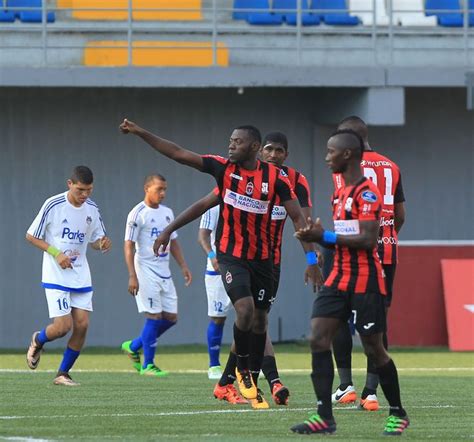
x,y
150,279
63,228
218,303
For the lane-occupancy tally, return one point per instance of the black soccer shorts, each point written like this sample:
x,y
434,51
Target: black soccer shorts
x,y
255,275
368,309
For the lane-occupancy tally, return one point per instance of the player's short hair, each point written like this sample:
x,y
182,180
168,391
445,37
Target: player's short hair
x,y
356,124
276,137
351,140
82,174
252,131
152,177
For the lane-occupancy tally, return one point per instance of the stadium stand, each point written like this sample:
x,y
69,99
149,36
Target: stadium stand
x,y
363,9
411,13
471,13
342,18
448,19
243,11
26,16
155,53
307,18
6,16
186,10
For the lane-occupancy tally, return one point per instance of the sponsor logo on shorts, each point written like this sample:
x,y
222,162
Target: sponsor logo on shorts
x,y
228,277
245,203
369,325
369,196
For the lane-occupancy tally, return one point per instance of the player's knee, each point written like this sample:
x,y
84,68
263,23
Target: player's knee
x,y
81,324
260,322
319,341
218,320
172,317
62,328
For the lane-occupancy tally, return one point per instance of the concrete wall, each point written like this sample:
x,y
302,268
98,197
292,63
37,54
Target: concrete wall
x,y
45,132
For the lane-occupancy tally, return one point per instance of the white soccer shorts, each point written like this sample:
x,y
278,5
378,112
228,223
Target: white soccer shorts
x,y
60,302
155,294
218,303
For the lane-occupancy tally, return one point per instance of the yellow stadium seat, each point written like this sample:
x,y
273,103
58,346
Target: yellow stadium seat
x,y
186,10
155,53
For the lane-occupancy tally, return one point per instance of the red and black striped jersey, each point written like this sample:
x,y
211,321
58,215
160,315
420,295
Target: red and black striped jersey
x,y
386,176
356,270
300,185
247,200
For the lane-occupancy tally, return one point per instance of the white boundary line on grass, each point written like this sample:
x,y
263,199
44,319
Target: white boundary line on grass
x,y
193,371
194,413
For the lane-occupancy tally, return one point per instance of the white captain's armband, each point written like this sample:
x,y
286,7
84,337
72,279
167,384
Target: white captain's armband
x,y
346,227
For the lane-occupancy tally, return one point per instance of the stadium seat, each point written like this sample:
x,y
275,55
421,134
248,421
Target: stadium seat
x,y
6,16
381,17
414,15
239,9
307,18
471,14
35,16
266,17
186,10
155,54
454,19
335,18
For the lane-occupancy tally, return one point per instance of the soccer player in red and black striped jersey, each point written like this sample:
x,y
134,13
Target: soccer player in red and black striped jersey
x,y
248,189
275,151
385,174
355,284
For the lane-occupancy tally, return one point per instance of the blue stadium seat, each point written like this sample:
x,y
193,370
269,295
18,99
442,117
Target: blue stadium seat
x,y
307,18
342,18
239,12
266,17
471,14
6,16
445,19
29,16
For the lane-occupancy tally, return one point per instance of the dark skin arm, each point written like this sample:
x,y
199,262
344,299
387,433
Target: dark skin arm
x,y
365,240
204,239
165,147
190,214
294,211
399,216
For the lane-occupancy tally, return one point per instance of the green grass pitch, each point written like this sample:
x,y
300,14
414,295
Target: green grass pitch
x,y
115,403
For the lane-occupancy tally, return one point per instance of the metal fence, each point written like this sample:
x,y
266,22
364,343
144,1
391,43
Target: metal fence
x,y
218,24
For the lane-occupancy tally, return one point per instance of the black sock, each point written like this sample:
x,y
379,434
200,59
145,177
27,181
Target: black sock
x,y
342,348
322,377
257,348
269,368
371,380
385,340
242,347
391,388
228,375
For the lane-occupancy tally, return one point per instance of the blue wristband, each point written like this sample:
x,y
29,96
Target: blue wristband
x,y
311,258
329,237
211,254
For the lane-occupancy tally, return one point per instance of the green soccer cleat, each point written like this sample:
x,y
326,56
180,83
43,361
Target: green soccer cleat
x,y
153,370
214,372
395,425
133,356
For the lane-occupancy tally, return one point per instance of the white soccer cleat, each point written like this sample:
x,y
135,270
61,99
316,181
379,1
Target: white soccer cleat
x,y
214,372
346,396
65,380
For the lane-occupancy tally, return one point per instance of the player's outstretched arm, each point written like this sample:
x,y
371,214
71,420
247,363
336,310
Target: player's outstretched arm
x,y
190,214
165,147
366,239
177,253
63,260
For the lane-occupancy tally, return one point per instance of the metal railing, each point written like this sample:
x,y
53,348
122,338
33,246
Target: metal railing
x,y
218,23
